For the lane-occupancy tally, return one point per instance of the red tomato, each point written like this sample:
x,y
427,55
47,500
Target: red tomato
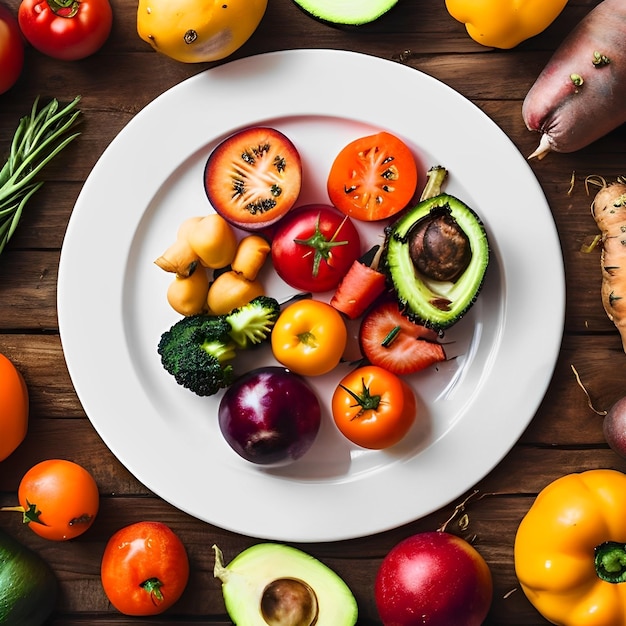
x,y
313,248
60,499
66,29
373,177
144,568
373,407
11,50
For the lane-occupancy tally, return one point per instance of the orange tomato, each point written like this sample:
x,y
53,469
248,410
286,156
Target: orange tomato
x,y
13,408
373,407
144,568
373,177
309,337
60,499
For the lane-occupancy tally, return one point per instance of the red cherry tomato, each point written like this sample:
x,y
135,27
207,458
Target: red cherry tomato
x,y
11,50
144,569
313,247
60,499
373,177
373,407
66,29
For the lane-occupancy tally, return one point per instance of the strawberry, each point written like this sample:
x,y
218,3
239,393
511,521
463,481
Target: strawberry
x,y
390,340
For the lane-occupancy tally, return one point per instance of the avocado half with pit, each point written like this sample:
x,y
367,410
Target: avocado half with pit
x,y
277,585
346,12
436,256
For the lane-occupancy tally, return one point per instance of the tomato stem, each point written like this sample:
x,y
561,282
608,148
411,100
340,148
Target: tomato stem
x,y
320,246
64,8
31,514
153,587
365,400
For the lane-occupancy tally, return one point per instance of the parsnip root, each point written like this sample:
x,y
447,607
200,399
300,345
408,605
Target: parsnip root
x,y
609,211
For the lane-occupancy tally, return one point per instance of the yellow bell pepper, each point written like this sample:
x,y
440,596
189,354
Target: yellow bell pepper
x,y
194,31
570,550
504,23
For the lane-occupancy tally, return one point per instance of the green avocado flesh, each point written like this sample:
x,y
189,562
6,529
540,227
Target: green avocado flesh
x,y
435,304
348,12
246,577
28,587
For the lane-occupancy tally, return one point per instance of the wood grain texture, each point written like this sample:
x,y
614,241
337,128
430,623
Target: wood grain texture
x,y
117,83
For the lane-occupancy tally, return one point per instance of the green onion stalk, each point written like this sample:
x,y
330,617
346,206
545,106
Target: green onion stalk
x,y
39,137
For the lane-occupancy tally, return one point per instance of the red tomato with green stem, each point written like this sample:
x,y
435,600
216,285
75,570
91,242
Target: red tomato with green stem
x,y
66,29
59,499
373,408
11,50
144,568
373,177
314,246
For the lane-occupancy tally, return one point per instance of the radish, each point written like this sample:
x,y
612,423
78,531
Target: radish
x,y
578,97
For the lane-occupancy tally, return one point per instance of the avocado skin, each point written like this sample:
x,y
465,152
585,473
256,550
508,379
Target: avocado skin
x,y
28,586
414,293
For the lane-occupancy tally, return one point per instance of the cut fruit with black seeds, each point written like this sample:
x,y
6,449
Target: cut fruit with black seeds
x,y
253,178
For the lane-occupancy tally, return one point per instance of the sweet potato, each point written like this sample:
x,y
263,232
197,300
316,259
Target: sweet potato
x,y
609,211
579,96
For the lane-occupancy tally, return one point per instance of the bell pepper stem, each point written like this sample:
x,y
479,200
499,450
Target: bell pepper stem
x,y
610,561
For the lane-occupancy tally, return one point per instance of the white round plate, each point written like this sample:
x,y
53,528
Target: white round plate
x,y
112,305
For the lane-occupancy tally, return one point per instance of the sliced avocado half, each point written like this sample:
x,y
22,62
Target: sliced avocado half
x,y
431,297
276,585
346,12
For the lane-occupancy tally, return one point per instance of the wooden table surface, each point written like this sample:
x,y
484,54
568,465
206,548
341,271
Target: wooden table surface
x,y
564,436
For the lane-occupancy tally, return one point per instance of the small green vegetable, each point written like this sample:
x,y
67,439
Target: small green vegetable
x,y
252,323
197,349
39,137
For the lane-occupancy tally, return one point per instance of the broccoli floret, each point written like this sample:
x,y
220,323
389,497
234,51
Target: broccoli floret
x,y
196,350
252,323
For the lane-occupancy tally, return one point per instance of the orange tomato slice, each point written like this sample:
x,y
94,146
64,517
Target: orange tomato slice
x,y
373,177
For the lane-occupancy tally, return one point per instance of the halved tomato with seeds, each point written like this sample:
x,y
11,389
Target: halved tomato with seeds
x,y
392,341
253,177
373,177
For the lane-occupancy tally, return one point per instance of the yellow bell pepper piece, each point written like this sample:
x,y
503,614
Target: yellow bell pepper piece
x,y
504,23
570,550
194,31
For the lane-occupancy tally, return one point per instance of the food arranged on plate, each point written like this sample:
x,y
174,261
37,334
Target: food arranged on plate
x,y
402,293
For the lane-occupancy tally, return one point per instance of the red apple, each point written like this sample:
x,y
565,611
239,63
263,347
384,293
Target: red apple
x,y
433,578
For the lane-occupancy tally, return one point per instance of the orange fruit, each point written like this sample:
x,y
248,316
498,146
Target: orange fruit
x,y
13,407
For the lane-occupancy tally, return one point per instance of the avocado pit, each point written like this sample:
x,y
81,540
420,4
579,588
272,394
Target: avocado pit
x,y
438,246
289,602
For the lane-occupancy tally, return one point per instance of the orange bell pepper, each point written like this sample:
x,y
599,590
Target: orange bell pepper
x,y
570,550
